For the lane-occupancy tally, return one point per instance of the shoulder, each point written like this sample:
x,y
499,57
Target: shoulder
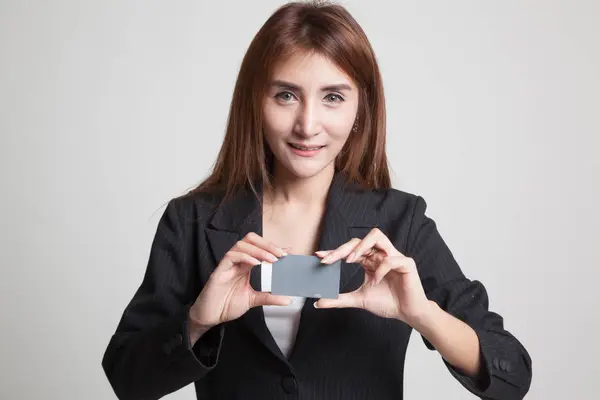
x,y
399,214
193,207
396,198
395,206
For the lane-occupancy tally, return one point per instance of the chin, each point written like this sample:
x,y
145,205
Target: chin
x,y
303,171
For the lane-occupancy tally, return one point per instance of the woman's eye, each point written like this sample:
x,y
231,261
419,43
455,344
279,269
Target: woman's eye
x,y
289,96
334,98
285,96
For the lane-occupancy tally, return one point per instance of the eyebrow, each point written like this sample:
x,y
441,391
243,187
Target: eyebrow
x,y
340,87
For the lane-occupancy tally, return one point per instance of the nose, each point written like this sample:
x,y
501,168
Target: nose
x,y
307,122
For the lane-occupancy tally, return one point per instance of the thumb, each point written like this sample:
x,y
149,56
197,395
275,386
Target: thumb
x,y
268,299
344,300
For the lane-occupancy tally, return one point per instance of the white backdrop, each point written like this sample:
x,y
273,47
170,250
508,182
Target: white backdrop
x,y
110,108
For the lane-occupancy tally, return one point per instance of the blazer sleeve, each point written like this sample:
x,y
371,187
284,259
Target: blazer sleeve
x,y
506,365
150,354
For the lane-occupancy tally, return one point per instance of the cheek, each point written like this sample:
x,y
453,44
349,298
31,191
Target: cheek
x,y
278,123
339,128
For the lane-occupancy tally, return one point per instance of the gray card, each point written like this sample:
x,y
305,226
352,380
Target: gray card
x,y
305,276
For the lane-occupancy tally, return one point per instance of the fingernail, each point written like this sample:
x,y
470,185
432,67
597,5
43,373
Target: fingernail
x,y
315,305
351,257
320,252
272,258
326,259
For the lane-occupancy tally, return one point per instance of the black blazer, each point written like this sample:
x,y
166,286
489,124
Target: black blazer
x,y
338,353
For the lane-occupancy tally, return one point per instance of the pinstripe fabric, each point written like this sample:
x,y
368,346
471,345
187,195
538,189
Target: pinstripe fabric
x,y
338,354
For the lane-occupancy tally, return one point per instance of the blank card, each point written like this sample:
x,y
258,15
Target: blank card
x,y
302,276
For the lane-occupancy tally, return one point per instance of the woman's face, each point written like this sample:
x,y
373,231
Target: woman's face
x,y
309,111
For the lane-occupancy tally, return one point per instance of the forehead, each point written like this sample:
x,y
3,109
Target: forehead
x,y
310,69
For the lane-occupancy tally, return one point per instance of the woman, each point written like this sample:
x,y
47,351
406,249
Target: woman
x,y
303,170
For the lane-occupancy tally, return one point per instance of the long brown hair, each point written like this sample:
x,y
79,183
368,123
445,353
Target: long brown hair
x,y
330,30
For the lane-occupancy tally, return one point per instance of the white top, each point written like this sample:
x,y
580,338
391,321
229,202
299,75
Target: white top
x,y
282,321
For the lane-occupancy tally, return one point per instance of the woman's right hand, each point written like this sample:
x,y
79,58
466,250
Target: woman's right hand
x,y
228,295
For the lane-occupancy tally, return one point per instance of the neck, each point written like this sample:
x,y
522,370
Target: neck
x,y
289,189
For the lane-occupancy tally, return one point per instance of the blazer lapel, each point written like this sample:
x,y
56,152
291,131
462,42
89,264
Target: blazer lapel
x,y
350,212
232,221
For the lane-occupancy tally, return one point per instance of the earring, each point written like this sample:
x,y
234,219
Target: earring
x,y
355,127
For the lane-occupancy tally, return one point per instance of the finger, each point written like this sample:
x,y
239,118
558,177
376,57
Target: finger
x,y
239,258
374,239
322,253
340,252
399,264
372,262
268,299
344,300
382,271
255,251
262,243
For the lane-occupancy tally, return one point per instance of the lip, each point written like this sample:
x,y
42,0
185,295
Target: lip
x,y
306,145
305,153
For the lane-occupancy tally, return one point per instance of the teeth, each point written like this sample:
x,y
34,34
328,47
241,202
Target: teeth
x,y
304,148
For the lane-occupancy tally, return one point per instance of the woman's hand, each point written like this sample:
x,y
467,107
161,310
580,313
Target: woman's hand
x,y
392,287
228,295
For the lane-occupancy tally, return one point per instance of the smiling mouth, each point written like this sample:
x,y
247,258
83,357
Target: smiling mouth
x,y
305,148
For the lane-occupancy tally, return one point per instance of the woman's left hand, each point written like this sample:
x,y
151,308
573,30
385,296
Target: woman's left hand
x,y
392,287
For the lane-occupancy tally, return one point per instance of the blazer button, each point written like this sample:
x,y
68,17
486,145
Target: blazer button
x,y
289,384
496,363
505,365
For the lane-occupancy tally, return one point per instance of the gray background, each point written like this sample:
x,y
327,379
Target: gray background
x,y
110,108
